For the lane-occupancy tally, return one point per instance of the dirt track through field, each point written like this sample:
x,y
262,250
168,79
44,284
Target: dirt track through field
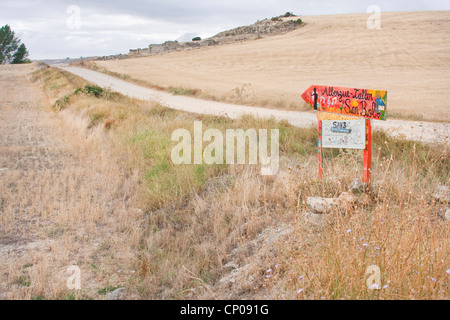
x,y
415,130
56,199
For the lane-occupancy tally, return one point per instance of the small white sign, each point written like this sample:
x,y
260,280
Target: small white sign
x,y
349,134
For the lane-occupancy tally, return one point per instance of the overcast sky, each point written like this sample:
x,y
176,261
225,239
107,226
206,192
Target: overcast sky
x,y
75,28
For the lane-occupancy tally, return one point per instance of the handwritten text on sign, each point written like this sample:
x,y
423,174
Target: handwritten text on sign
x,y
365,103
348,134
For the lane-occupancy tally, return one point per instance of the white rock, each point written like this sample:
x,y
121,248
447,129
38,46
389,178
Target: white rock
x,y
315,219
357,186
346,201
441,193
320,205
117,294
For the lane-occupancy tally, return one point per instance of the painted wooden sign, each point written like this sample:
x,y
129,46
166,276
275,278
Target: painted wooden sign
x,y
349,134
366,103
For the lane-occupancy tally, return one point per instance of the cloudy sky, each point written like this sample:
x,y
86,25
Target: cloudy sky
x,y
75,28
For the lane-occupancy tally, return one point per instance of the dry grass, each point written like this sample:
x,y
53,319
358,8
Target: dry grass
x,y
64,200
396,228
215,231
408,57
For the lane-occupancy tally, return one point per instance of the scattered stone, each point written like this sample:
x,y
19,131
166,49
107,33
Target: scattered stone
x,y
346,201
320,205
315,219
266,27
230,266
320,208
442,194
357,186
363,199
442,212
118,294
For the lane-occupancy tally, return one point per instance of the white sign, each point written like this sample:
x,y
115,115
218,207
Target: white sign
x,y
349,134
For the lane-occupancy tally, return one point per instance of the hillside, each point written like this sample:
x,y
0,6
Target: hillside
x,y
408,57
258,30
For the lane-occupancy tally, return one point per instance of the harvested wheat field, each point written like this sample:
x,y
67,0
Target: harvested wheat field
x,y
408,57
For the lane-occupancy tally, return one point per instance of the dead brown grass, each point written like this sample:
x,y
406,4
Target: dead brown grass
x,y
223,232
64,201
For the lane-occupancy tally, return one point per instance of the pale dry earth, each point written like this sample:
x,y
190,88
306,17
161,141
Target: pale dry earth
x,y
62,201
415,130
408,57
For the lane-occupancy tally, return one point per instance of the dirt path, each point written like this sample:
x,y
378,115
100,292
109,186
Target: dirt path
x,y
416,130
60,204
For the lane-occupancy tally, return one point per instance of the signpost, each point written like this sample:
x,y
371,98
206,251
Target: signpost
x,y
369,104
340,124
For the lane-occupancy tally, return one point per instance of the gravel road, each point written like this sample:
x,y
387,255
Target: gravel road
x,y
415,130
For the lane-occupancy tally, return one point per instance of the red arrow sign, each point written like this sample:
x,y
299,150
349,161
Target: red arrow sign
x,y
370,104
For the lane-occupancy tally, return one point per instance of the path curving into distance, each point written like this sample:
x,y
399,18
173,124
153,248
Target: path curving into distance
x,y
414,130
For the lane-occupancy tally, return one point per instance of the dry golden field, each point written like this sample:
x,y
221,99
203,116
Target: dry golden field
x,y
408,57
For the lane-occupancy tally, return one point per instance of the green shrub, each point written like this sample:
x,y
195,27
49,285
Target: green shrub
x,y
61,103
196,39
90,90
93,90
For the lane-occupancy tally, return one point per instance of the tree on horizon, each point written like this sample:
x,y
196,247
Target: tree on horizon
x,y
21,55
11,50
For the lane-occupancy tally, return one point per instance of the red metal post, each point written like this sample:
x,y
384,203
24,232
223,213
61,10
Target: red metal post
x,y
367,153
320,149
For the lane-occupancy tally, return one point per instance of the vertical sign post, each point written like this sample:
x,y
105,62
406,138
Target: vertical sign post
x,y
365,103
320,149
367,153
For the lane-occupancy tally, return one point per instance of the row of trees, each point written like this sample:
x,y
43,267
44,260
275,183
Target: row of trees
x,y
11,50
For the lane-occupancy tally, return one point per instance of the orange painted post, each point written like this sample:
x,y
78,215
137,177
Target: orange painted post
x,y
367,153
320,149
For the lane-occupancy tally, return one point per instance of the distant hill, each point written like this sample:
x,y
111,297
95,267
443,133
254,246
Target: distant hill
x,y
408,56
258,30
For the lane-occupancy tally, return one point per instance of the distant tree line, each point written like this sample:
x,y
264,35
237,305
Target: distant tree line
x,y
11,50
